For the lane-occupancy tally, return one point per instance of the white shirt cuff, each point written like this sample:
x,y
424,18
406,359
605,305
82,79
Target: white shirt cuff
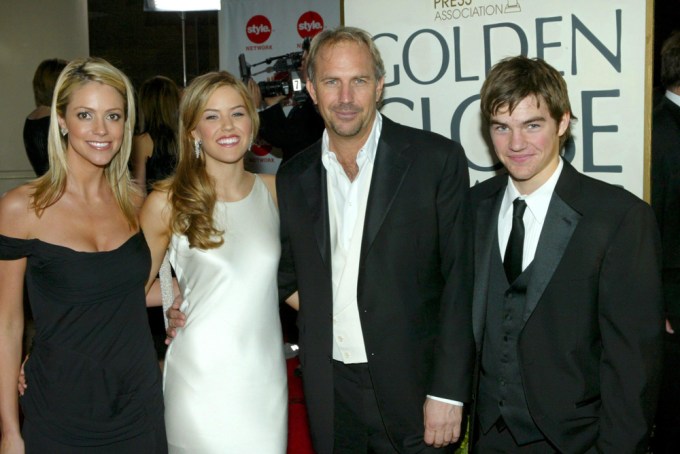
x,y
448,401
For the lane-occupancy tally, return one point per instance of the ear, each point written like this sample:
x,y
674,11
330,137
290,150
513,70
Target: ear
x,y
62,122
194,135
379,88
563,124
311,90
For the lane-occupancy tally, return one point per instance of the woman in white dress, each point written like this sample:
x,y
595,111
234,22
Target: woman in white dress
x,y
224,379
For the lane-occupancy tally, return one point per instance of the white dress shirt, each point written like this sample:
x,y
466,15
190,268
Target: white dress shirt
x,y
534,216
346,211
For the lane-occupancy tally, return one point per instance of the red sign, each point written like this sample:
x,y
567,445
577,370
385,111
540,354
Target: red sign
x,y
309,24
258,29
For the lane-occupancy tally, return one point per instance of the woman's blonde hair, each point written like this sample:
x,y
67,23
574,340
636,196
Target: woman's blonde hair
x,y
192,190
50,187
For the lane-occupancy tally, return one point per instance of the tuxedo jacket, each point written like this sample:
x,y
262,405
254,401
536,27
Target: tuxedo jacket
x,y
590,348
666,197
413,286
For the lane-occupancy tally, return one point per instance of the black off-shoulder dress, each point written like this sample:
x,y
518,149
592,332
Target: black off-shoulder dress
x,y
94,384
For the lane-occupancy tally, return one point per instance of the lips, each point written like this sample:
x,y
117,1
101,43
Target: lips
x,y
228,141
99,145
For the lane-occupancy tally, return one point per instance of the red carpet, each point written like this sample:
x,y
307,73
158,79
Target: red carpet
x,y
299,441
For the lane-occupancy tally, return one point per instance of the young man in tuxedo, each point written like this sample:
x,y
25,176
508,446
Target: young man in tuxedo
x,y
567,306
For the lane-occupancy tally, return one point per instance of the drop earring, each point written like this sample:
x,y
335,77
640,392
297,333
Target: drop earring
x,y
63,131
197,148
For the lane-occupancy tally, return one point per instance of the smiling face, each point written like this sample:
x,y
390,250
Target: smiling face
x,y
224,127
95,121
346,90
527,142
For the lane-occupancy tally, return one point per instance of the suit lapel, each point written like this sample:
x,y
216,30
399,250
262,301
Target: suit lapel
x,y
560,222
389,169
486,225
313,182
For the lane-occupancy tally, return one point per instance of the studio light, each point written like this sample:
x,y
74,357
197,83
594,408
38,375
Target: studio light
x,y
182,6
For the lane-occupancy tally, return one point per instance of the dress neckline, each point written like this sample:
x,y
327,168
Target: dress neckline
x,y
247,196
139,233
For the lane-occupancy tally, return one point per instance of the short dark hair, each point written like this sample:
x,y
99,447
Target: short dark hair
x,y
513,79
45,78
670,61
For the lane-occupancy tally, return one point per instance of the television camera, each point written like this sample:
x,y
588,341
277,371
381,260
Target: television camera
x,y
288,65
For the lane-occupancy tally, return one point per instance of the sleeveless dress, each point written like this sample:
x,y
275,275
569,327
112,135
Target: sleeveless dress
x,y
94,384
224,379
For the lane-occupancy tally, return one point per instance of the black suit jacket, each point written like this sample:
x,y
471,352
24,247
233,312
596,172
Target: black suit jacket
x,y
590,348
666,197
414,283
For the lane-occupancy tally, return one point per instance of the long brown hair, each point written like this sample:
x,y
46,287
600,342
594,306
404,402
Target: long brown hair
x,y
192,190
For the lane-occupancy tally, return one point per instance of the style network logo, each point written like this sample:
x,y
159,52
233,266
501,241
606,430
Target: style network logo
x,y
309,24
258,29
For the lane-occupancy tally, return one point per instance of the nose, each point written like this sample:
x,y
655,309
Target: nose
x,y
517,142
346,93
227,123
99,126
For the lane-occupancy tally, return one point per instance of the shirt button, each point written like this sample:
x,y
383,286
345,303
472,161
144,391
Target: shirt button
x,y
346,355
340,338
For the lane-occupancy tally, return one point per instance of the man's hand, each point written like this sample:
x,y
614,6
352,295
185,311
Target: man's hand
x,y
176,319
22,385
442,423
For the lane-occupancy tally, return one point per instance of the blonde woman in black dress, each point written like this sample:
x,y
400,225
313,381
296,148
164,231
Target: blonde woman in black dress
x,y
73,236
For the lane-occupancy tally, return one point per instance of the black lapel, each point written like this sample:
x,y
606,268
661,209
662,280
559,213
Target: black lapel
x,y
560,222
313,182
389,169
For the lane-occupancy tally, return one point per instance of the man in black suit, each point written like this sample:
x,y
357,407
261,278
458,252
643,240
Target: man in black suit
x,y
567,306
666,204
372,234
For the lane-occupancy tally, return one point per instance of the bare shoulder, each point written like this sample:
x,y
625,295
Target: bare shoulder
x,y
157,203
270,182
16,214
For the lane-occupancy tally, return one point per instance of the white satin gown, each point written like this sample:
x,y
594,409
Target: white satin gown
x,y
225,376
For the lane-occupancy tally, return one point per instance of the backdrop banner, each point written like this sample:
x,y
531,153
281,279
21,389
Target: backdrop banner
x,y
264,29
438,52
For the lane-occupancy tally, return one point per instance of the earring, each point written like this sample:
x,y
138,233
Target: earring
x,y
63,131
197,148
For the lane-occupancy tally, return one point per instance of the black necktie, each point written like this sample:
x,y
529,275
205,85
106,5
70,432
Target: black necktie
x,y
512,262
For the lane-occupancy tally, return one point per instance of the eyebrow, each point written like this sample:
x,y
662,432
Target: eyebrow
x,y
525,122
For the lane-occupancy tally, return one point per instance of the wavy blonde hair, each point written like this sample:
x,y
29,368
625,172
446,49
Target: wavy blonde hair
x,y
49,188
192,190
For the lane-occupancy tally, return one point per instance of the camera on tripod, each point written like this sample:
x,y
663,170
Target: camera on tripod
x,y
283,64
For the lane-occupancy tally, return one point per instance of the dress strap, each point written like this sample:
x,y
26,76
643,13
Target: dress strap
x,y
14,248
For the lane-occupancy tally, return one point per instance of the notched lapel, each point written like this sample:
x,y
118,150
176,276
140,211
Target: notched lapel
x,y
560,222
486,226
389,171
313,182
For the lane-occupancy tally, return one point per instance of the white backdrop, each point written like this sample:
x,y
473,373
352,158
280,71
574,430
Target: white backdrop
x,y
437,53
261,29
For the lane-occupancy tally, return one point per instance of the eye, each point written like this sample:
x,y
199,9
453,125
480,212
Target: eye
x,y
331,82
83,115
211,116
533,126
238,113
115,116
360,81
499,128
